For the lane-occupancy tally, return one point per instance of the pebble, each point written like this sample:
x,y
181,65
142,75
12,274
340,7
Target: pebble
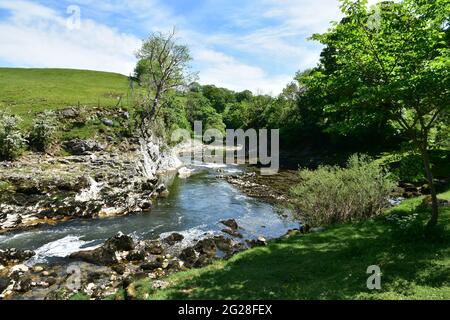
x,y
38,269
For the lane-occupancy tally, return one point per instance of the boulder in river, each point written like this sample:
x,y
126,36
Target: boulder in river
x,y
106,254
120,242
99,256
206,247
174,238
154,247
230,223
260,242
224,244
189,256
232,233
23,285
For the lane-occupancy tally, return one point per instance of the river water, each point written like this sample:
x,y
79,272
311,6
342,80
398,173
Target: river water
x,y
195,207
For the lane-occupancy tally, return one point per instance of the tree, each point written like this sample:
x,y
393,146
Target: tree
x,y
219,97
245,95
199,108
235,115
162,67
259,110
392,60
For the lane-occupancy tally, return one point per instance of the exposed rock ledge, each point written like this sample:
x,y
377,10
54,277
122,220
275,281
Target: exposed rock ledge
x,y
95,183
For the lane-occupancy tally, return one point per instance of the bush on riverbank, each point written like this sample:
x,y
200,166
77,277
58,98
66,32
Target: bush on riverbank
x,y
332,194
43,131
11,139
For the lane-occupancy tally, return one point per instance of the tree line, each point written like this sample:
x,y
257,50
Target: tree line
x,y
383,76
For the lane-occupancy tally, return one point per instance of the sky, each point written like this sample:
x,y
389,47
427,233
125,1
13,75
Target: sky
x,y
238,44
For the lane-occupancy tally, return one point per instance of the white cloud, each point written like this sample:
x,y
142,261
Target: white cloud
x,y
36,36
228,72
282,43
307,16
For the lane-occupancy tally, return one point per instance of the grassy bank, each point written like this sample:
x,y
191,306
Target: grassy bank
x,y
33,90
415,263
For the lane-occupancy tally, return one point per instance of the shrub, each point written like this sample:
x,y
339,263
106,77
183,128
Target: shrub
x,y
407,166
332,194
11,140
43,131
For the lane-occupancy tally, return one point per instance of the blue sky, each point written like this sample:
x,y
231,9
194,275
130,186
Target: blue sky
x,y
238,44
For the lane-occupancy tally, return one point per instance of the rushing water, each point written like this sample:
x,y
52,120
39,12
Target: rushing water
x,y
195,207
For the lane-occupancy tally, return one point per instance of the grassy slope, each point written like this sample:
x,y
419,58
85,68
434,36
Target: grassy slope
x,y
331,264
25,90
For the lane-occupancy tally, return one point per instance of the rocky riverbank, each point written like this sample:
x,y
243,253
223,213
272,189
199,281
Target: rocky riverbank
x,y
116,265
93,182
276,189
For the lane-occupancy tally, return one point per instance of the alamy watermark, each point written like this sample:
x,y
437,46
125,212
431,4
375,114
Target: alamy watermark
x,y
73,22
73,281
374,281
235,147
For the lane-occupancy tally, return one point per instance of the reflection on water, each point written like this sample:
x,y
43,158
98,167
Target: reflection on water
x,y
195,207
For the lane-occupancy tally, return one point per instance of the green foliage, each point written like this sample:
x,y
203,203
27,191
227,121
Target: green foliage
x,y
245,95
27,92
128,127
11,139
162,69
140,69
199,108
175,115
236,115
43,131
442,133
333,195
394,68
407,165
218,97
5,185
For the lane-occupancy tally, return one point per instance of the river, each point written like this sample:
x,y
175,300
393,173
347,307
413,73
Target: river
x,y
194,208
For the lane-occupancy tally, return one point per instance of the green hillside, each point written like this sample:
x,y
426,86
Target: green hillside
x,y
25,90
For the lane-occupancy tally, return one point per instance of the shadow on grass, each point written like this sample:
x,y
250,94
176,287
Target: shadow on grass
x,y
330,265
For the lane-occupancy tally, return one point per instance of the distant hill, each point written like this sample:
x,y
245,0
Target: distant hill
x,y
33,90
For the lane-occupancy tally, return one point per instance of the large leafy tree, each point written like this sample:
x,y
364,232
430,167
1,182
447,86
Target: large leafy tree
x,y
162,68
390,61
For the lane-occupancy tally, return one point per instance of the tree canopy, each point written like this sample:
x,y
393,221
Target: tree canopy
x,y
389,63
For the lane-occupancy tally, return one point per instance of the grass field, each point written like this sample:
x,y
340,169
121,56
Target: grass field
x,y
414,261
27,91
